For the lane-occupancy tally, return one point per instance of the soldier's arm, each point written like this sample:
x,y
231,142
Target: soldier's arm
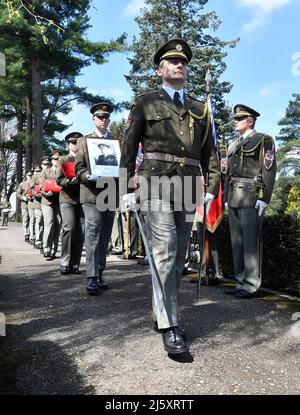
x,y
81,168
269,169
132,138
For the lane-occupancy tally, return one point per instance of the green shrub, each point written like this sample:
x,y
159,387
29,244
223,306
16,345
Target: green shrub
x,y
281,258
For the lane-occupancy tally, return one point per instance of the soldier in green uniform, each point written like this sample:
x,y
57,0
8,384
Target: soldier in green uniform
x,y
22,195
37,210
249,182
175,134
72,236
50,209
98,224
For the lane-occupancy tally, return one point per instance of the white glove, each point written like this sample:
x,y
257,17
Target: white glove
x,y
74,180
24,198
49,194
208,199
91,177
260,205
129,200
226,205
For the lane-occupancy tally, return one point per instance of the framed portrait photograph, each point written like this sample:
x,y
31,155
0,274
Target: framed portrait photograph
x,y
104,156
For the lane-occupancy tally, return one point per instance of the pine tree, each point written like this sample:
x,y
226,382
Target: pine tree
x,y
162,20
291,121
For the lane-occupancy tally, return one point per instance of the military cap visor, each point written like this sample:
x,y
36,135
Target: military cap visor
x,y
73,136
55,154
174,48
29,172
102,108
241,111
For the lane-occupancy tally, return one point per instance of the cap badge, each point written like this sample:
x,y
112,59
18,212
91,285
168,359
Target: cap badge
x,y
179,48
104,107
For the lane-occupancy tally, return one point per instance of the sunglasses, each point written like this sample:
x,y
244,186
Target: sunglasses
x,y
54,158
46,164
102,117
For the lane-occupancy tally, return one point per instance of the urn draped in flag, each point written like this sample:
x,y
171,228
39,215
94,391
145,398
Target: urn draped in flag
x,y
68,168
50,185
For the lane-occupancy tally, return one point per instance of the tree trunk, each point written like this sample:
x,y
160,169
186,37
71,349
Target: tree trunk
x,y
28,160
19,166
37,110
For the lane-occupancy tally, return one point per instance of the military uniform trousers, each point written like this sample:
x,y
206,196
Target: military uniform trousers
x,y
31,223
169,233
116,238
39,226
72,234
25,221
98,227
52,225
245,232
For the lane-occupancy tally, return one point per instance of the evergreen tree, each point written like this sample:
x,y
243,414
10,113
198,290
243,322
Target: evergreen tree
x,y
291,121
165,19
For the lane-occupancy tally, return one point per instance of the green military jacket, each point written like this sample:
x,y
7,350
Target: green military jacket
x,y
48,174
251,171
37,197
88,190
70,191
22,192
160,126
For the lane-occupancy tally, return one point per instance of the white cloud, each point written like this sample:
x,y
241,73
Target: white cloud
x,y
270,90
133,8
261,10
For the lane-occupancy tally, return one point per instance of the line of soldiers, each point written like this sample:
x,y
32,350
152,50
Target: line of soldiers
x,y
177,141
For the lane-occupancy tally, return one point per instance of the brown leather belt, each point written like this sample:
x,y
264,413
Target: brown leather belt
x,y
183,161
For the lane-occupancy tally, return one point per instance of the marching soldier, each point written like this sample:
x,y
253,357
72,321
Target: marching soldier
x,y
37,198
175,133
249,182
98,224
50,208
72,236
30,206
22,195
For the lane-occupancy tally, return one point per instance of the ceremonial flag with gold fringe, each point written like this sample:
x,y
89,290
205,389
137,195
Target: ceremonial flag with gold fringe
x,y
215,214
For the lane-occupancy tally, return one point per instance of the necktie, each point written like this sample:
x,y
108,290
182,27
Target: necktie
x,y
177,100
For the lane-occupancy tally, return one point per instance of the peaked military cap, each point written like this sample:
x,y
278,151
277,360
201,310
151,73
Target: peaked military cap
x,y
102,108
174,48
55,153
29,172
73,136
37,168
45,159
241,110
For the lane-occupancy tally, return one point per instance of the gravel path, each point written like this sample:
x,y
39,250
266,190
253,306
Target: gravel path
x,y
61,341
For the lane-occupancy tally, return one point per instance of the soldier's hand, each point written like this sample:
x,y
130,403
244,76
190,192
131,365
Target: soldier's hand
x,y
74,180
226,205
49,194
24,198
129,200
208,199
261,206
91,177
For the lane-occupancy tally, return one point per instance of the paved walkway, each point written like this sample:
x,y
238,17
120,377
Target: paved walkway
x,y
61,341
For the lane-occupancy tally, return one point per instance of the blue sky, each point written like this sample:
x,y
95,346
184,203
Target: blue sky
x,y
264,68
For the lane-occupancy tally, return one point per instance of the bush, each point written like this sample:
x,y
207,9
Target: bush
x,y
281,258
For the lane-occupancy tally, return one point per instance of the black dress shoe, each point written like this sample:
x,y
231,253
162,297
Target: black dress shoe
x,y
243,294
92,287
64,270
27,238
47,254
102,284
155,328
130,256
75,271
173,341
232,291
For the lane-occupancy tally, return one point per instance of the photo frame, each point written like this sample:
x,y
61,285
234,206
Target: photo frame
x,y
104,156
